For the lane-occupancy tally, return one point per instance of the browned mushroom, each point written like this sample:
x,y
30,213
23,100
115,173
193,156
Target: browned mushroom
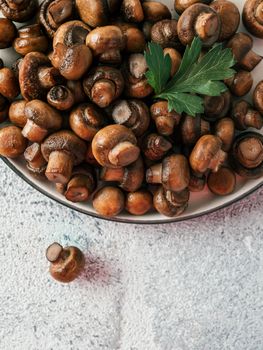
x,y
199,20
4,107
223,182
240,84
62,150
181,5
109,201
197,182
76,88
241,45
17,113
115,146
53,13
139,202
129,178
132,10
89,157
165,121
86,120
41,120
155,146
103,85
97,12
136,84
155,11
12,142
173,173
106,43
258,97
170,203
18,11
134,114
37,76
134,37
253,17
34,158
16,66
217,107
247,155
225,130
30,39
66,263
230,18
207,154
71,33
60,97
9,86
165,33
7,33
192,128
176,59
81,185
245,116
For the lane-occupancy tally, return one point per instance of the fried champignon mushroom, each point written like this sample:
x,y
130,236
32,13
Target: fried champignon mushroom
x,y
71,33
66,263
9,87
30,38
53,13
192,128
181,5
60,97
36,163
217,107
207,154
17,114
155,146
86,120
7,33
247,155
258,97
132,11
230,18
89,157
109,201
240,84
76,88
165,33
136,84
173,173
253,17
225,130
197,182
133,36
241,45
103,85
37,76
42,119
4,108
115,146
223,182
96,13
155,11
139,202
134,114
176,59
165,121
81,185
18,10
62,150
199,20
245,116
106,43
129,178
170,203
12,142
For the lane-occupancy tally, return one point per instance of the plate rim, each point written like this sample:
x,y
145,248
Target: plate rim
x,y
127,221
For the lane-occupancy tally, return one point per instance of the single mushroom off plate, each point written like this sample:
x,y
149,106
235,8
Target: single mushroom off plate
x,y
200,203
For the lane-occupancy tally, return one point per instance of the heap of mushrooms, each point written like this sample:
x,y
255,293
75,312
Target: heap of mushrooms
x,y
77,105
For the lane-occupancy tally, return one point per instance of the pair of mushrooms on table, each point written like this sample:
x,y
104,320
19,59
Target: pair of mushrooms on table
x,y
86,117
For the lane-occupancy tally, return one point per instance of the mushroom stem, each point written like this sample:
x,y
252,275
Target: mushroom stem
x,y
154,174
78,188
109,174
103,92
33,132
206,25
48,77
59,167
34,158
123,153
250,60
217,160
53,252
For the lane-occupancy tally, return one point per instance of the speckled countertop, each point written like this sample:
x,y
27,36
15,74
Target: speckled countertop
x,y
194,285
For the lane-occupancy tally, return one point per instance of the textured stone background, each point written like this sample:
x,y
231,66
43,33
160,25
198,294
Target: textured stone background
x,y
195,285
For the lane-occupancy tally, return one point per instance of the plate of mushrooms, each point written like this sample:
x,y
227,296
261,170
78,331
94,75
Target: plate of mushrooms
x,y
134,111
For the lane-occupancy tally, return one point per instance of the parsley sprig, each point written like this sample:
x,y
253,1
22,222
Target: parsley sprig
x,y
196,75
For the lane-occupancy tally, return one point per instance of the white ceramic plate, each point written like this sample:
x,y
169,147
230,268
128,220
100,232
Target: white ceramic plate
x,y
200,203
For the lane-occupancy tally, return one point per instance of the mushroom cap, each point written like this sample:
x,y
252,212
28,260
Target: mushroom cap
x,y
19,11
42,114
71,33
160,109
30,39
9,86
241,83
230,18
17,113
170,203
132,10
258,97
12,142
181,5
67,141
252,17
165,33
7,33
155,11
217,107
175,173
223,182
109,201
225,130
244,116
240,44
192,128
138,202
